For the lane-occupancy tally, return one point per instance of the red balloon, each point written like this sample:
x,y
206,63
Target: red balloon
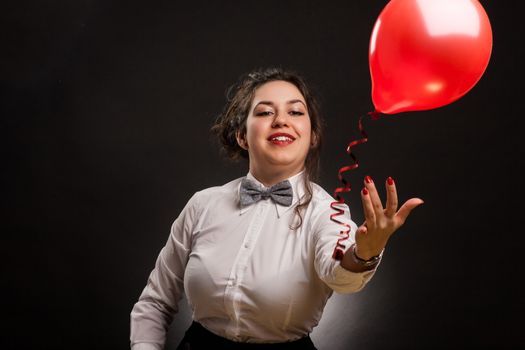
x,y
425,54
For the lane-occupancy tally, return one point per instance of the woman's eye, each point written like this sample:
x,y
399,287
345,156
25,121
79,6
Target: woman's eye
x,y
263,113
296,113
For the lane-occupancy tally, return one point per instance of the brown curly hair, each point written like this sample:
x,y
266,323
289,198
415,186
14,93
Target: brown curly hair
x,y
232,120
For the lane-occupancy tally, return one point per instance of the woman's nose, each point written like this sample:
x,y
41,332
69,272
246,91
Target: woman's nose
x,y
280,119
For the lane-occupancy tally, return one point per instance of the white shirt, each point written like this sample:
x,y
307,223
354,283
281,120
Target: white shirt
x,y
247,275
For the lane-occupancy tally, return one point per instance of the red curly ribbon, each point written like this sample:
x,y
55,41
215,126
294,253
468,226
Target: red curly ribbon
x,y
339,250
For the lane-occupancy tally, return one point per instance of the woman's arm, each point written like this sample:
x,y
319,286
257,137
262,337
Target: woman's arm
x,y
154,311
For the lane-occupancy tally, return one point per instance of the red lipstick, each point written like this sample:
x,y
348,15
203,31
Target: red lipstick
x,y
281,138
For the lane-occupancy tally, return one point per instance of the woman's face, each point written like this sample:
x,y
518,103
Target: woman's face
x,y
278,129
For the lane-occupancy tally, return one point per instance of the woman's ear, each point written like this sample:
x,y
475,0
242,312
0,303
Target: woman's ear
x,y
313,140
241,140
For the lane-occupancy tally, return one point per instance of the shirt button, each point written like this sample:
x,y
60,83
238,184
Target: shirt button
x,y
246,245
230,283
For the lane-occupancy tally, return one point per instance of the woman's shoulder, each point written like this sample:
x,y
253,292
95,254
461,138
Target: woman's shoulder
x,y
319,194
322,200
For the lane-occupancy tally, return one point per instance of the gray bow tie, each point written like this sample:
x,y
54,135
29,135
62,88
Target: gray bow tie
x,y
252,192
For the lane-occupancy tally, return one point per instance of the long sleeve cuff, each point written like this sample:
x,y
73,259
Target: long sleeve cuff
x,y
145,346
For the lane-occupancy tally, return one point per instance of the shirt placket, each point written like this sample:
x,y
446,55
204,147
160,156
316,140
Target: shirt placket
x,y
233,295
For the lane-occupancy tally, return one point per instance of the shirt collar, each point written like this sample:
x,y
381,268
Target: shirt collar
x,y
298,188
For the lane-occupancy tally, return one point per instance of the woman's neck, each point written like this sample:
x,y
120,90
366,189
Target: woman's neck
x,y
270,178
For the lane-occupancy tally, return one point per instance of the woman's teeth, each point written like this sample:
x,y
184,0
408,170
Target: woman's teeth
x,y
281,138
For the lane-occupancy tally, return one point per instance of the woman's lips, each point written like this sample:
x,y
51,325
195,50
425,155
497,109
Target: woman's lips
x,y
281,139
281,143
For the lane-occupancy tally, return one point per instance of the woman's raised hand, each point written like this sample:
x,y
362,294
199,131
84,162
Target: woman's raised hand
x,y
380,223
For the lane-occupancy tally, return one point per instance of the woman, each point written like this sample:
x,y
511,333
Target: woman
x,y
254,256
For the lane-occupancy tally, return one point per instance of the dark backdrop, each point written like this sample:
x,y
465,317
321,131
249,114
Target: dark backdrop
x,y
105,111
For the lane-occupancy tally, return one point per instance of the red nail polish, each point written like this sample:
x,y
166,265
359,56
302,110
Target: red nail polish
x,y
368,179
390,181
365,191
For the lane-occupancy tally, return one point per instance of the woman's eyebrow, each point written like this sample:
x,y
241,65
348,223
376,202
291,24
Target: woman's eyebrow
x,y
270,103
295,101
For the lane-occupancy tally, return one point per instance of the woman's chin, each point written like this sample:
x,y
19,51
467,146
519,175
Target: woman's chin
x,y
282,164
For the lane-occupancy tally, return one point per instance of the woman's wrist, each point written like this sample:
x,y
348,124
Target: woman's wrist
x,y
367,259
354,263
365,254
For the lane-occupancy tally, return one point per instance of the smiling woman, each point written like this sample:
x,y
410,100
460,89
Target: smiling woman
x,y
231,126
257,275
278,132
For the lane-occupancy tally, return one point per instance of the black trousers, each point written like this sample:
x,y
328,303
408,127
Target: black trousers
x,y
199,338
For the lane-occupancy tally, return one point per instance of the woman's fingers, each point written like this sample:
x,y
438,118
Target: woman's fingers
x,y
373,207
391,198
368,208
406,208
374,196
361,231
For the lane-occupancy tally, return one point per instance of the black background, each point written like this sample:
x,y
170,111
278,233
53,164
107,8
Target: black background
x,y
105,111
